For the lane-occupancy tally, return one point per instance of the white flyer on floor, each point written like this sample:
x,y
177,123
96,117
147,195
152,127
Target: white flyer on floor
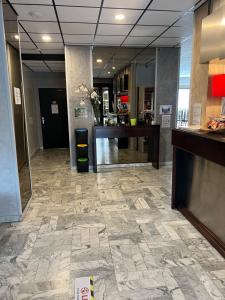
x,y
82,289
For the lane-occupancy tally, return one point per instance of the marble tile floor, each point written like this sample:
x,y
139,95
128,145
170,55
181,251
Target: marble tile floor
x,y
116,225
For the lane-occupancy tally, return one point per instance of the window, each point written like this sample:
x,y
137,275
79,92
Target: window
x,y
183,107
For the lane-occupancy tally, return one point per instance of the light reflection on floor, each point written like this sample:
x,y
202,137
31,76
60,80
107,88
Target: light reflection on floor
x,y
108,153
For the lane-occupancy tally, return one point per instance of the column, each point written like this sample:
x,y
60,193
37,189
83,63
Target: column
x,y
79,69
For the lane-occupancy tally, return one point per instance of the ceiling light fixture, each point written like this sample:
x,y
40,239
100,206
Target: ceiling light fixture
x,y
46,38
16,36
114,68
99,60
119,17
109,72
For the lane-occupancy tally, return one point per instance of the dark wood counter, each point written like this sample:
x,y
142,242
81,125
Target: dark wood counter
x,y
198,182
153,132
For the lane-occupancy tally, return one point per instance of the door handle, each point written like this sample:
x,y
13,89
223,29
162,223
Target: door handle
x,y
43,120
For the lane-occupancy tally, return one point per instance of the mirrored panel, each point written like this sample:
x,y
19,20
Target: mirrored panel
x,y
15,74
124,79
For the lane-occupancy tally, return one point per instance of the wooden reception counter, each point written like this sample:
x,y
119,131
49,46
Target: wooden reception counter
x,y
199,182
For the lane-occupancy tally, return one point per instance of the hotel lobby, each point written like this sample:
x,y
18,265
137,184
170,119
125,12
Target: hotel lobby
x,y
112,149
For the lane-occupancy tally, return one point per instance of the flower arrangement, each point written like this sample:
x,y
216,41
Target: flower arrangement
x,y
94,98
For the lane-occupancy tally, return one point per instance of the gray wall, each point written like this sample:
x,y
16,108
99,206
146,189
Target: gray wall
x,y
78,70
32,116
167,81
32,82
10,204
145,75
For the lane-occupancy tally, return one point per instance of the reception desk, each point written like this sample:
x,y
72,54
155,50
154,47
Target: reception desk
x,y
152,132
199,182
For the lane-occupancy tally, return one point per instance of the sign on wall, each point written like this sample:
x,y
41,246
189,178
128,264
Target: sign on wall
x,y
54,108
197,112
166,121
165,109
17,96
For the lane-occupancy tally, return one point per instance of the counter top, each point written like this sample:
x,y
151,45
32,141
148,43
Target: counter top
x,y
207,145
208,135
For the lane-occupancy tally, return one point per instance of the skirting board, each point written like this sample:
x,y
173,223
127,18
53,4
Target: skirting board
x,y
10,219
133,165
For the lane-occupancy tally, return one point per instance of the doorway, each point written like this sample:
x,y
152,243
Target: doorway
x,y
54,118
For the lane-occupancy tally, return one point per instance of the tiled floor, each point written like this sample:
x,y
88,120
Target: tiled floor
x,y
116,225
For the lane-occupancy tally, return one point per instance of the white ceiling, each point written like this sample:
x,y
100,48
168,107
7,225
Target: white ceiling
x,y
69,21
147,23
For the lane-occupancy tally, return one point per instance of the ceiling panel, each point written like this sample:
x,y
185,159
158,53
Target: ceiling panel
x,y
78,14
113,40
107,29
36,37
35,12
159,18
186,21
11,26
141,4
24,37
41,69
30,51
41,27
95,3
147,30
180,5
78,39
178,32
138,40
46,2
78,28
21,29
27,45
108,16
47,51
166,42
50,46
33,63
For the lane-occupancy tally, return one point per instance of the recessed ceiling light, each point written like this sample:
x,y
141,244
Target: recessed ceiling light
x,y
114,68
99,60
16,36
119,17
46,38
109,72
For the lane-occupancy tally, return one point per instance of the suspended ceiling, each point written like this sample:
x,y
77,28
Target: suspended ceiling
x,y
147,24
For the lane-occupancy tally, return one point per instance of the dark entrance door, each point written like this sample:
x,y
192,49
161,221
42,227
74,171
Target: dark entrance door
x,y
54,118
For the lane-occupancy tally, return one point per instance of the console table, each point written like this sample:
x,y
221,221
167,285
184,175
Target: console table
x,y
152,132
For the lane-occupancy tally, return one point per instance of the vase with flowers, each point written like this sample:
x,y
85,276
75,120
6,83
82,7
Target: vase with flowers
x,y
91,94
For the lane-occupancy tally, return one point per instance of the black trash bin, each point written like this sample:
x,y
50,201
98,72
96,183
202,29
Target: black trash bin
x,y
81,141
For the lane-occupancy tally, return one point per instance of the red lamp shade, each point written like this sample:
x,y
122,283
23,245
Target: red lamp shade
x,y
218,85
124,99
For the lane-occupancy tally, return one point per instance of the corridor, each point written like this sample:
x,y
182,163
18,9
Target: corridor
x,y
116,225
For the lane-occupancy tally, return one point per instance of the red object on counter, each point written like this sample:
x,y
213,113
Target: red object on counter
x,y
218,85
124,99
